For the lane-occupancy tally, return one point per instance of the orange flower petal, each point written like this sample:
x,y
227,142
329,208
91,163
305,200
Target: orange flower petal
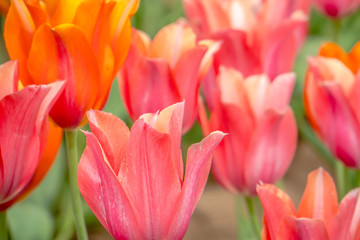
x,y
319,200
64,53
331,50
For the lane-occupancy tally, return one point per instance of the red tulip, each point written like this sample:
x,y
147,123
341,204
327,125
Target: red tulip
x,y
82,42
318,217
331,96
164,71
133,180
23,134
337,8
261,126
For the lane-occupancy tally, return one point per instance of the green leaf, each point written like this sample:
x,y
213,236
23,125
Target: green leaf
x,y
30,221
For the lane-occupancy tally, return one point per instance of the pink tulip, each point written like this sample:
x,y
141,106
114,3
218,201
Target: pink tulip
x,y
164,71
23,132
255,34
337,8
331,96
318,217
133,180
261,126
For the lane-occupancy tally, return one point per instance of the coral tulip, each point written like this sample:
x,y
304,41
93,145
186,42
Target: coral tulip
x,y
164,71
23,134
318,217
261,126
331,96
337,8
137,175
82,42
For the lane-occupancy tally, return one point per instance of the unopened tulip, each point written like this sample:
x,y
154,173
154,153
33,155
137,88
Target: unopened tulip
x,y
261,126
81,42
23,134
337,8
164,71
318,217
134,180
331,96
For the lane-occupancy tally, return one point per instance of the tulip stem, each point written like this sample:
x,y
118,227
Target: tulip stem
x,y
72,156
253,217
3,226
336,29
340,178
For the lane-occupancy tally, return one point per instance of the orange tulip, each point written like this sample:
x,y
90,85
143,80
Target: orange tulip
x,y
23,134
82,42
318,217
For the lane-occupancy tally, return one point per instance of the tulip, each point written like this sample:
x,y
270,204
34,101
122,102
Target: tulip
x,y
337,8
318,217
133,180
23,134
164,71
254,34
261,126
331,98
82,42
4,6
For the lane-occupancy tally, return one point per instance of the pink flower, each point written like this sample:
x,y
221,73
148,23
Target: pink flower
x,y
337,8
261,126
23,134
255,34
331,96
164,71
318,217
133,180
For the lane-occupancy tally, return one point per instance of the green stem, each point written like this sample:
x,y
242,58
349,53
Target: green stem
x,y
72,156
357,178
336,29
340,178
254,220
65,221
3,226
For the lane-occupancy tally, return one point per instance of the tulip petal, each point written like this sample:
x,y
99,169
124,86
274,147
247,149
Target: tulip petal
x,y
346,224
64,12
196,173
9,73
113,136
104,194
172,41
152,87
236,52
271,148
302,229
319,200
22,21
24,128
63,53
332,50
48,157
187,74
207,16
354,57
282,43
277,205
151,178
280,92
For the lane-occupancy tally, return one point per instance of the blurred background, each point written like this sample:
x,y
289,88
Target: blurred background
x,y
38,217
